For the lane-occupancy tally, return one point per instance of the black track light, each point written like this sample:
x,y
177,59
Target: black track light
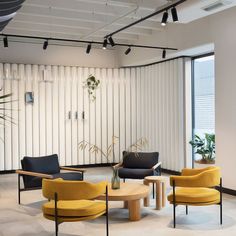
x,y
5,42
128,51
45,45
174,14
88,48
111,41
104,46
164,54
164,18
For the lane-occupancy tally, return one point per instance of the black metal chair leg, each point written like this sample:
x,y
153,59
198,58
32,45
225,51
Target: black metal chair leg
x,y
186,210
123,180
153,190
19,189
107,223
221,213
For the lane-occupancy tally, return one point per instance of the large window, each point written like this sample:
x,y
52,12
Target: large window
x,y
204,95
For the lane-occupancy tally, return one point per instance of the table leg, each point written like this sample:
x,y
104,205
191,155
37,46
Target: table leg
x,y
134,210
126,205
158,195
163,194
146,200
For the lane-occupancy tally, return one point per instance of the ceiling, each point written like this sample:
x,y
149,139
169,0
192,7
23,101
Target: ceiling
x,y
93,19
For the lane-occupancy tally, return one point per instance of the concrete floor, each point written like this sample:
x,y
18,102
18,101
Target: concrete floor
x,y
27,219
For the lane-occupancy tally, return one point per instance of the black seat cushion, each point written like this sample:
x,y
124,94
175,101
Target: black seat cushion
x,y
130,173
36,182
140,160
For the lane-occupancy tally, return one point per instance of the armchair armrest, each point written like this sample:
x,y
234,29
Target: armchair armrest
x,y
157,165
118,165
72,169
36,174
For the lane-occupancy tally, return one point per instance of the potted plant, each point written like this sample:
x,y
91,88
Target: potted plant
x,y
204,147
91,83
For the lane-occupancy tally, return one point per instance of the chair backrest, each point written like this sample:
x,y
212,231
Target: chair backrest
x,y
140,160
44,164
72,190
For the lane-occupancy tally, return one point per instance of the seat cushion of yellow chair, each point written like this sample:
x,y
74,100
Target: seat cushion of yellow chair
x,y
195,195
75,208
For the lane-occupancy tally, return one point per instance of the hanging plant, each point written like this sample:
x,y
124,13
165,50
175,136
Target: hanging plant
x,y
91,83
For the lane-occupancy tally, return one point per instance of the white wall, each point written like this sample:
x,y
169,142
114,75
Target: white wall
x,y
130,103
27,53
218,29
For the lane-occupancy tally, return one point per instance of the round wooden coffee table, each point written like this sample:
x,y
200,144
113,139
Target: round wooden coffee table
x,y
131,194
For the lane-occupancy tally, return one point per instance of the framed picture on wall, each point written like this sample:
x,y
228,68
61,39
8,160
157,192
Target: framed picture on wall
x,y
29,97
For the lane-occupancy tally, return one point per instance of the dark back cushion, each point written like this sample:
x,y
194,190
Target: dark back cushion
x,y
43,164
140,160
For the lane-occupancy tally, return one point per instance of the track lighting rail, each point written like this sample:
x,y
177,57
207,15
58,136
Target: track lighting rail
x,y
163,9
45,39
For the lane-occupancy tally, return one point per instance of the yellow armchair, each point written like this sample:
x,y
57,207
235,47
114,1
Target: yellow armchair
x,y
196,187
71,201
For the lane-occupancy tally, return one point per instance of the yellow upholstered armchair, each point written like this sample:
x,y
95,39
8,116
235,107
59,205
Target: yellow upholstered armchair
x,y
71,201
196,187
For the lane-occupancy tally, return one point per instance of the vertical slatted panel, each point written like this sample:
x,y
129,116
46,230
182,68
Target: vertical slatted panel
x,y
92,129
2,167
133,115
14,114
98,113
61,115
74,117
7,123
55,111
21,122
128,108
130,103
28,113
87,117
122,109
35,115
110,84
116,117
80,110
104,112
48,110
68,114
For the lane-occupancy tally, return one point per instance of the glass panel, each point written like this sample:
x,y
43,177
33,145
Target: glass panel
x,y
204,96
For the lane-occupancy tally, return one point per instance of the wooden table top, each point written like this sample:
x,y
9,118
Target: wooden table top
x,y
127,192
155,178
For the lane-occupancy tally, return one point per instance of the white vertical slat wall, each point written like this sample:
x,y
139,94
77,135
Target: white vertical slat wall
x,y
130,103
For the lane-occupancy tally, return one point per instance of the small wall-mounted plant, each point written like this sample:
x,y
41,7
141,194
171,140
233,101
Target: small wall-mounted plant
x,y
91,83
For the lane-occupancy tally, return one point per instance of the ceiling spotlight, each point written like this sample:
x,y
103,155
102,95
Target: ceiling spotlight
x,y
164,54
45,45
88,48
128,51
5,42
174,14
104,46
164,18
111,41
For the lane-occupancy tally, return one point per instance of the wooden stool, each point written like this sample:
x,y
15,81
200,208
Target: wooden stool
x,y
160,191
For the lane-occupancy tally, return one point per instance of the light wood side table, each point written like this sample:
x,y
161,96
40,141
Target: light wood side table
x,y
160,190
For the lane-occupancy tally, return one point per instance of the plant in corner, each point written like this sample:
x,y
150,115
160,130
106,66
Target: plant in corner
x,y
91,83
204,147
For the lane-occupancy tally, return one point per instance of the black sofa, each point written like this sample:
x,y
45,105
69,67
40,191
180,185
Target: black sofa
x,y
34,169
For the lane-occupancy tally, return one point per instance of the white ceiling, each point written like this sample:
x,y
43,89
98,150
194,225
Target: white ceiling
x,y
93,19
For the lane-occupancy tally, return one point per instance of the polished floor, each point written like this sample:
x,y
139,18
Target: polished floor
x,y
27,219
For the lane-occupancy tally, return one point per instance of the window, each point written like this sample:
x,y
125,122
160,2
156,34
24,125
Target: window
x,y
203,95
